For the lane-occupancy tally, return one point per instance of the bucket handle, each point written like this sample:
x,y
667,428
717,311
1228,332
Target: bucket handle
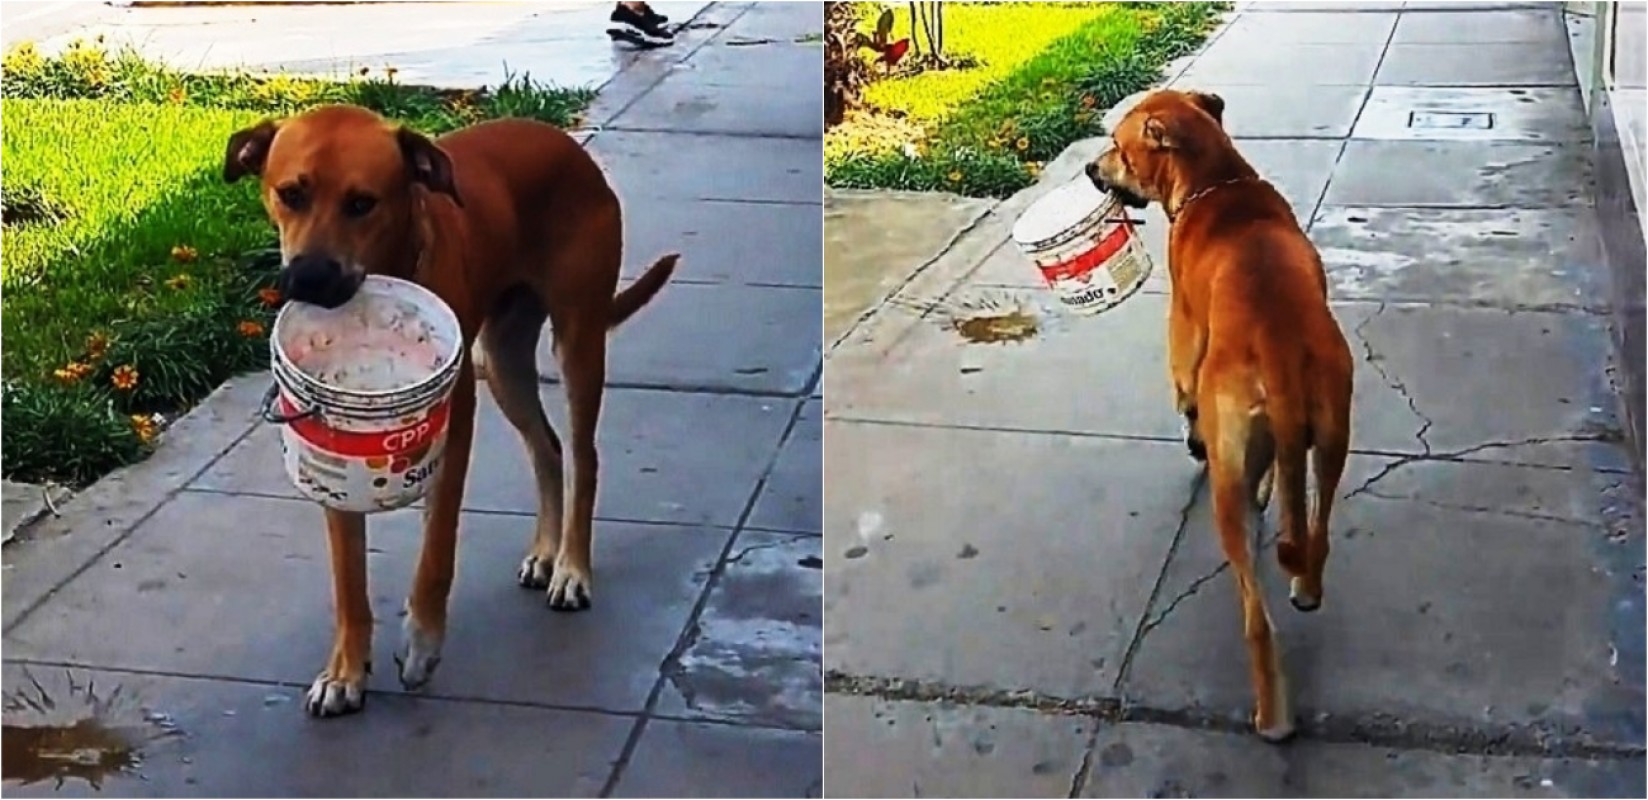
x,y
273,417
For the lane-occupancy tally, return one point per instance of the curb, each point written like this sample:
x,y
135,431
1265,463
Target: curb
x,y
27,503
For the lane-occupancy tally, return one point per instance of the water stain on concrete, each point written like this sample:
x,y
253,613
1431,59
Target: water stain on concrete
x,y
1013,326
76,734
993,318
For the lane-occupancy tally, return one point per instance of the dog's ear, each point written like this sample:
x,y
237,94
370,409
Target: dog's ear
x,y
428,163
1157,135
247,151
1213,104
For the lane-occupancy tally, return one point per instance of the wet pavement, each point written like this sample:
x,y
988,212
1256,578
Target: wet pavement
x,y
193,589
1023,594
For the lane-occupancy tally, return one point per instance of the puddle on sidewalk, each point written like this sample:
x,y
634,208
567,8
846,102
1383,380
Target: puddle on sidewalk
x,y
80,732
988,316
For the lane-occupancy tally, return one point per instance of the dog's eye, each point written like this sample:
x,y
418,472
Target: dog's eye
x,y
359,205
292,197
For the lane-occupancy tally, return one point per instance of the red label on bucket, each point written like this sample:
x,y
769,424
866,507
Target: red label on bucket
x,y
367,445
1085,263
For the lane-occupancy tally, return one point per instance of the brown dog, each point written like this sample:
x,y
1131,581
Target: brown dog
x,y
511,223
1260,369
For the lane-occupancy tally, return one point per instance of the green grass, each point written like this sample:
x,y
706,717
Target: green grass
x,y
1043,77
125,248
1000,37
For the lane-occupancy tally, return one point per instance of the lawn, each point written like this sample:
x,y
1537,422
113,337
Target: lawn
x,y
1027,81
135,280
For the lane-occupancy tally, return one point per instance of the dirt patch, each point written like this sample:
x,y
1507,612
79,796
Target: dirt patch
x,y
27,205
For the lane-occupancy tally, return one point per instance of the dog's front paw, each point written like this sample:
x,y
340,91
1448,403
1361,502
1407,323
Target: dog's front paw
x,y
535,571
570,587
419,653
333,696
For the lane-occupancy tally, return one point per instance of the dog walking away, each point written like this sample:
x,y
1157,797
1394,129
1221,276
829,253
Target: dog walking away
x,y
511,223
1260,369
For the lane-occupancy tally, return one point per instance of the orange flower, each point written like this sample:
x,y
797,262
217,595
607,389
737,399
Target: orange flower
x,y
177,281
269,295
97,344
144,426
184,254
1023,143
250,328
124,377
176,96
72,371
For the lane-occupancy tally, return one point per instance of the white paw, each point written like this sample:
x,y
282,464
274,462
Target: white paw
x,y
418,655
333,697
1302,600
569,589
534,572
1267,482
1277,732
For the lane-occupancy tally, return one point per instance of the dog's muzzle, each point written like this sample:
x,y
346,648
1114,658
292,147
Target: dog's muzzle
x,y
1126,197
319,280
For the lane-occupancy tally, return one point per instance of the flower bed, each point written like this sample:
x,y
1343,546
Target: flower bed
x,y
1038,78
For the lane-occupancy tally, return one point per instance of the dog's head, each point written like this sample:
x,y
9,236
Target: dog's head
x,y
1152,142
341,184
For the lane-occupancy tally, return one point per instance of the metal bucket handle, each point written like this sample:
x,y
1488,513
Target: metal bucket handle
x,y
275,418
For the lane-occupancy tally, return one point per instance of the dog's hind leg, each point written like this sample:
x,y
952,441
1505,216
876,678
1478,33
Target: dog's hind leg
x,y
1230,428
1289,478
1332,447
581,348
510,342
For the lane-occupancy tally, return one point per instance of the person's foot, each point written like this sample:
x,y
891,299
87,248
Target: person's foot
x,y
653,16
642,28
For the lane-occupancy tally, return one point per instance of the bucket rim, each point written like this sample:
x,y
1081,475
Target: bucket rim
x,y
1109,203
445,373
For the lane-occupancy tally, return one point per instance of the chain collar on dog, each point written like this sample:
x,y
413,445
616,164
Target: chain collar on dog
x,y
1202,192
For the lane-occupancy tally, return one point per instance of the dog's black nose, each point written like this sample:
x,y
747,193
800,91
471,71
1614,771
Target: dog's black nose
x,y
319,280
1096,177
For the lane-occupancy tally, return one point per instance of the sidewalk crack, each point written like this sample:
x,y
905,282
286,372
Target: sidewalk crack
x,y
1366,487
1161,579
1375,360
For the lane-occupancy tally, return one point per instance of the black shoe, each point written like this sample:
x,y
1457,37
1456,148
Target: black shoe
x,y
639,29
654,17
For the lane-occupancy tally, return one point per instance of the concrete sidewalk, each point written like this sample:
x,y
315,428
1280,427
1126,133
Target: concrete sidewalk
x,y
439,44
195,586
1023,594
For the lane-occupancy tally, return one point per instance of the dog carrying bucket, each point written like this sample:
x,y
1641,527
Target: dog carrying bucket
x,y
362,393
1085,246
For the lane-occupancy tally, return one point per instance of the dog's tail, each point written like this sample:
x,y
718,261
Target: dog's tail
x,y
639,293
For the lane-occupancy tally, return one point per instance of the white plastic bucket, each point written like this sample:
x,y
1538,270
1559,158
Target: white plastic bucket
x,y
362,393
1085,246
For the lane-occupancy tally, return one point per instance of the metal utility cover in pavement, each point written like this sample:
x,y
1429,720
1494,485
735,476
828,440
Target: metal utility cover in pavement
x,y
1465,120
